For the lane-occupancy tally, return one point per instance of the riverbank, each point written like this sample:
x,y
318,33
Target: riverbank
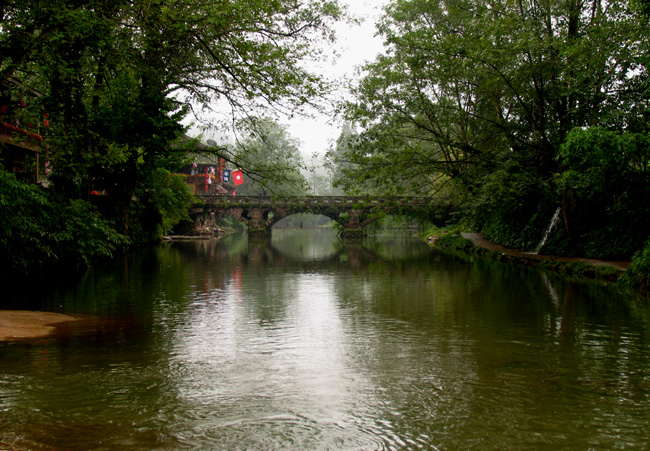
x,y
474,243
478,240
22,324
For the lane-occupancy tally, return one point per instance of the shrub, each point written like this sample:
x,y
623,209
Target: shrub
x,y
455,241
638,275
163,202
40,229
604,184
511,208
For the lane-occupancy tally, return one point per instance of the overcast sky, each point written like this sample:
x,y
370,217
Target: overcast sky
x,y
356,45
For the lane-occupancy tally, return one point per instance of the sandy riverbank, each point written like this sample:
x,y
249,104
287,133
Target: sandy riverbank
x,y
21,324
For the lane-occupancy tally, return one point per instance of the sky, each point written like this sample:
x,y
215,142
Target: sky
x,y
356,45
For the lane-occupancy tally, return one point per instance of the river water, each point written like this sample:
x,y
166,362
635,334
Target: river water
x,y
299,342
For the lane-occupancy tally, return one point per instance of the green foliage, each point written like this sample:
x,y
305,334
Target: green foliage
x,y
230,224
87,235
455,241
596,163
438,231
271,158
117,80
638,274
41,229
162,204
604,183
474,100
116,94
338,227
511,208
464,85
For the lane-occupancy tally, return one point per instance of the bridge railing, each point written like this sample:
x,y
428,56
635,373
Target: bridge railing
x,y
315,200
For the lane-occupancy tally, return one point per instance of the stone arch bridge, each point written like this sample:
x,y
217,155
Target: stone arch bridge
x,y
352,213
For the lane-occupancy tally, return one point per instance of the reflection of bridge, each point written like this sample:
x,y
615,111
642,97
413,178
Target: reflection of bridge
x,y
352,213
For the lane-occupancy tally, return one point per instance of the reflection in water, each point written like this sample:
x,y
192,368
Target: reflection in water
x,y
301,343
306,244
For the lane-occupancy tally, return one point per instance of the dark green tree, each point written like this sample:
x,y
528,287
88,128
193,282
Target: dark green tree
x,y
120,76
477,98
605,182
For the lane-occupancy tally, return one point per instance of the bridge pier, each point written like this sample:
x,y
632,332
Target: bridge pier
x,y
352,229
353,214
256,218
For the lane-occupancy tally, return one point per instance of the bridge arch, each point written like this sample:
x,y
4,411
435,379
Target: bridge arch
x,y
352,213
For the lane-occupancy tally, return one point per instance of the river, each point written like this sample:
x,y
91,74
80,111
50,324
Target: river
x,y
299,342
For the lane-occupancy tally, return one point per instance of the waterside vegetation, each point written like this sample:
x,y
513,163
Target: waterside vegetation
x,y
103,92
508,113
514,113
634,278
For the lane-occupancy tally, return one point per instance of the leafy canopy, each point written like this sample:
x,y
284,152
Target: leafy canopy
x,y
119,77
465,87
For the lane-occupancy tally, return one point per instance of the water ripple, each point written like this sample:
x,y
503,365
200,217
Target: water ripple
x,y
283,432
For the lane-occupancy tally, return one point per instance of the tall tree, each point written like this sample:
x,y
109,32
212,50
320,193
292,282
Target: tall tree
x,y
466,85
120,76
480,96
